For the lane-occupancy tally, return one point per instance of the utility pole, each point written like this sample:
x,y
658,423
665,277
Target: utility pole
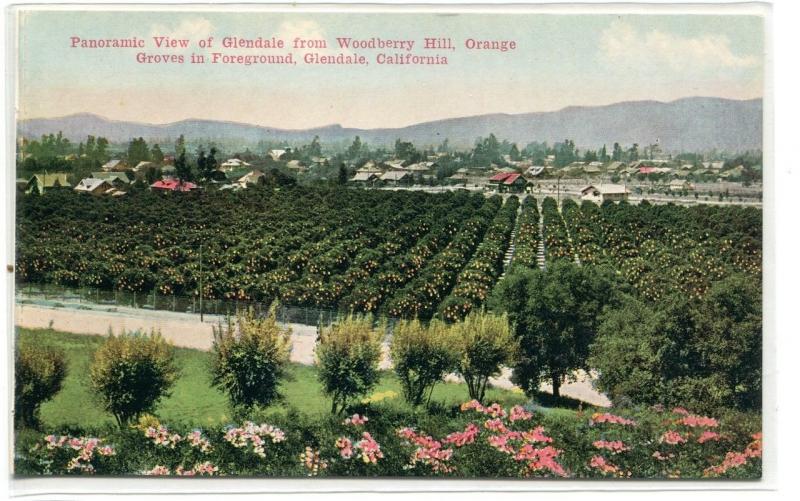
x,y
201,282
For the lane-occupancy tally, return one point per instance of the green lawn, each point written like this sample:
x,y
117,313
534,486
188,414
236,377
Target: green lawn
x,y
193,400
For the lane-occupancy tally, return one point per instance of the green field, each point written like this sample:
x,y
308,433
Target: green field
x,y
194,401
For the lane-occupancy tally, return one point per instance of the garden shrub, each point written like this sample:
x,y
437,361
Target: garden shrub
x,y
348,357
485,343
422,356
39,372
250,357
131,372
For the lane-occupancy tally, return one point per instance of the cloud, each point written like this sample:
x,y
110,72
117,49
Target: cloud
x,y
194,29
622,44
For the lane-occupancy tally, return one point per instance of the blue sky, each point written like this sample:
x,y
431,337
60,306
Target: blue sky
x,y
561,60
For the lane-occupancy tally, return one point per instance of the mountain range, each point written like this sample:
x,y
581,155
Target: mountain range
x,y
688,124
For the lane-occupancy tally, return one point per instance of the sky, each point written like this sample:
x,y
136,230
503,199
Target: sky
x,y
560,60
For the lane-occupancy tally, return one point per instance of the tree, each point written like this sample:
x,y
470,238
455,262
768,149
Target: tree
x,y
202,168
250,358
138,151
348,355
703,354
39,372
182,167
616,155
485,343
156,155
211,161
342,178
555,314
354,151
422,356
131,372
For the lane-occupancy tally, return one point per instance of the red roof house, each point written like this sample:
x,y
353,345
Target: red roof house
x,y
173,185
508,180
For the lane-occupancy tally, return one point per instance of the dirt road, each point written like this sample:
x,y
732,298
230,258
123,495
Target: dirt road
x,y
185,330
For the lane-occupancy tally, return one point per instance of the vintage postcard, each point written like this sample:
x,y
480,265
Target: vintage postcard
x,y
441,242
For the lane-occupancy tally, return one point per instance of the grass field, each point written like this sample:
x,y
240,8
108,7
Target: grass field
x,y
194,401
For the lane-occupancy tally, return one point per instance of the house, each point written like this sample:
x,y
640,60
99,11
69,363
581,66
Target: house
x,y
93,186
591,169
364,177
396,177
116,179
233,163
143,166
393,165
296,165
614,166
173,185
276,154
604,192
369,167
680,185
508,181
535,170
38,183
459,178
419,168
253,177
115,165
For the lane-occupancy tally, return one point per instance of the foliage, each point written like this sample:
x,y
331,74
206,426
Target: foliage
x,y
485,344
348,354
250,357
131,372
705,354
422,356
554,312
39,371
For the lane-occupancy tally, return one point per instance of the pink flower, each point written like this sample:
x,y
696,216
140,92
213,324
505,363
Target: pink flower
x,y
699,421
600,463
541,459
611,418
495,425
370,449
158,470
672,438
681,411
536,435
462,438
345,447
356,420
663,457
518,413
500,442
615,446
708,435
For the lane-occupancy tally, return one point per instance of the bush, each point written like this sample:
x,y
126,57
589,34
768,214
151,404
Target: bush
x,y
422,356
39,372
131,372
348,355
485,343
250,358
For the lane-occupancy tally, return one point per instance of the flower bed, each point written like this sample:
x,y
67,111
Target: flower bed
x,y
471,441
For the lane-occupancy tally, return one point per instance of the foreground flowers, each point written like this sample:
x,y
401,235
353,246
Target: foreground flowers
x,y
481,440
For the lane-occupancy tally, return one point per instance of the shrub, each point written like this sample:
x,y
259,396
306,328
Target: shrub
x,y
131,372
249,358
348,355
39,372
485,343
422,356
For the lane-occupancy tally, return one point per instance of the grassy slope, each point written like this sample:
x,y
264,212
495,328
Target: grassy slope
x,y
193,400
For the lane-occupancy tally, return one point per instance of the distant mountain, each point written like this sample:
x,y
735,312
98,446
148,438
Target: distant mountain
x,y
690,124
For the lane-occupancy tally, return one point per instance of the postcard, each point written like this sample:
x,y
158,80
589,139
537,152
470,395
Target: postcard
x,y
484,243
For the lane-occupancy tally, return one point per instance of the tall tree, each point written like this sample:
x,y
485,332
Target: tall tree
x,y
555,316
156,154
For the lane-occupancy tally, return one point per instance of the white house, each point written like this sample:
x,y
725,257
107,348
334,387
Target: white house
x,y
93,186
602,192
